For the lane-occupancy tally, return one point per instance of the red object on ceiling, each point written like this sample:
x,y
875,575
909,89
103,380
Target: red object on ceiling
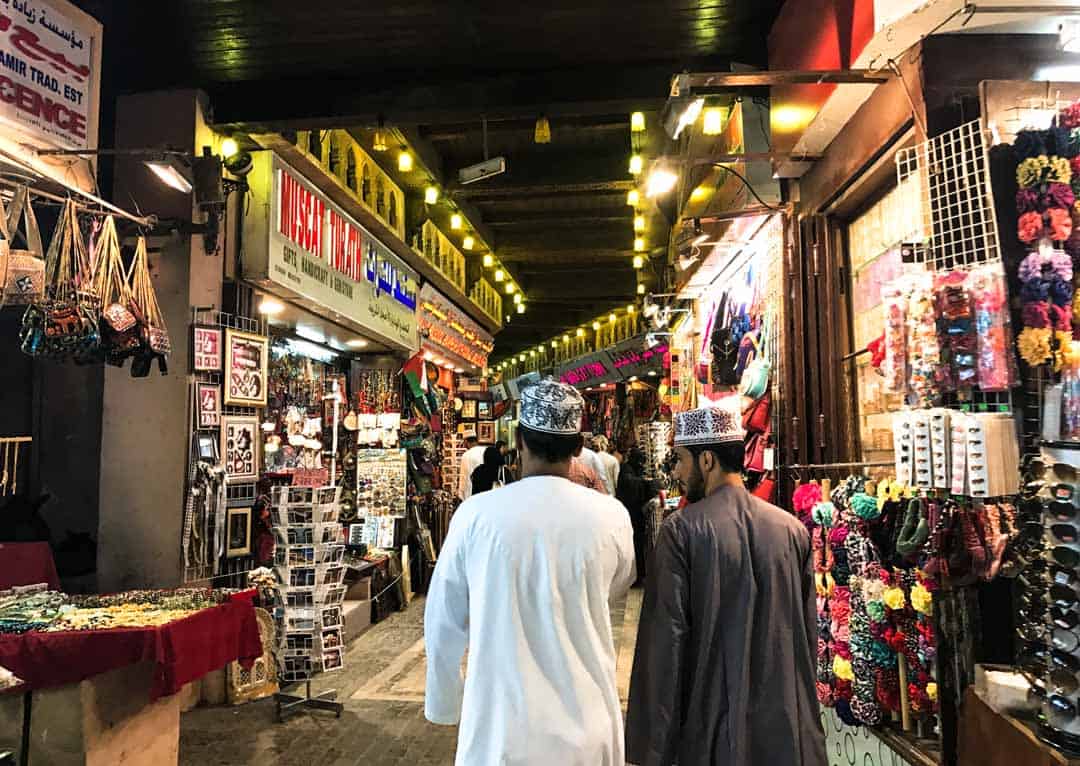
x,y
814,35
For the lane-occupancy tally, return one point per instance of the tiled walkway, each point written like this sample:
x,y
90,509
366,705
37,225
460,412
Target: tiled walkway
x,y
382,686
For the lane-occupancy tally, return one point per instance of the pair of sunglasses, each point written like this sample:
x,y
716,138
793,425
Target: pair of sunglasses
x,y
1062,706
1063,491
1064,640
1067,618
1067,557
1063,597
1061,510
1065,533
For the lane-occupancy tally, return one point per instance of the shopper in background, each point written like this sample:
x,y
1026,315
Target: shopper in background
x,y
634,491
581,472
523,581
470,460
487,475
592,460
512,468
724,669
608,462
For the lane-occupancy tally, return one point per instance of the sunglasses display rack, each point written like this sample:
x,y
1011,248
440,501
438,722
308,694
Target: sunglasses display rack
x,y
654,438
309,565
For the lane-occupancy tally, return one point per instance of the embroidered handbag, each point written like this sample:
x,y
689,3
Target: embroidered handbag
x,y
63,323
155,343
756,417
755,377
120,330
23,271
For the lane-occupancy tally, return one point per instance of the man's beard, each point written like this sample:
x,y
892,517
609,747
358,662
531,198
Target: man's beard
x,y
695,485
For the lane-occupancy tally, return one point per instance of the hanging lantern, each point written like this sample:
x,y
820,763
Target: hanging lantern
x,y
639,244
431,195
404,162
596,325
455,221
637,122
639,223
468,242
641,288
713,121
489,260
632,198
378,143
542,132
637,164
639,262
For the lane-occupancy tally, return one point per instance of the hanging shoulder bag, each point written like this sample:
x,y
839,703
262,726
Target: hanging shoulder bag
x,y
23,271
755,377
154,335
120,331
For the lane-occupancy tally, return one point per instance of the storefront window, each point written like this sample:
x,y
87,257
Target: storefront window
x,y
365,188
393,209
380,198
315,144
350,171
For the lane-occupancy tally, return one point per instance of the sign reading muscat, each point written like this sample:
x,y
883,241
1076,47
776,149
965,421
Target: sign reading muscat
x,y
49,61
323,257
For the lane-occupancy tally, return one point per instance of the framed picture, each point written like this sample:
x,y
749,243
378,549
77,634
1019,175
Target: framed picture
x,y
208,449
240,446
205,348
208,396
468,409
237,532
246,357
485,431
483,410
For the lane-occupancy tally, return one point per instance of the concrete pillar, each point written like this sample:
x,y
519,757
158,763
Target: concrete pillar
x,y
144,445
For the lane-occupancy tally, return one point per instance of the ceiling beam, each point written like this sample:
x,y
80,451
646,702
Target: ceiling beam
x,y
565,218
580,124
257,105
480,193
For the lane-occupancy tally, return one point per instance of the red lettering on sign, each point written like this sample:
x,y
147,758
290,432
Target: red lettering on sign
x,y
28,100
300,215
345,250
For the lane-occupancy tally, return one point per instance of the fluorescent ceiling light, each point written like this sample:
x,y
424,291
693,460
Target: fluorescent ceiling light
x,y
172,172
356,343
270,307
689,115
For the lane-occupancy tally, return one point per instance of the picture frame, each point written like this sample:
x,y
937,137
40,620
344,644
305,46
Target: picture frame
x,y
468,409
208,403
246,360
206,348
483,410
240,447
485,431
237,532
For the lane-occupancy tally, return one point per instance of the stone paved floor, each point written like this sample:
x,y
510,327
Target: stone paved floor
x,y
383,723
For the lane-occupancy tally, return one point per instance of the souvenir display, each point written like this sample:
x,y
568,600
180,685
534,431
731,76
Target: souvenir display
x,y
238,531
154,342
23,271
206,353
246,360
308,563
208,398
380,482
240,447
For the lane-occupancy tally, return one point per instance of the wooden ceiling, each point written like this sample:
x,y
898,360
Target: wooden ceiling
x,y
437,69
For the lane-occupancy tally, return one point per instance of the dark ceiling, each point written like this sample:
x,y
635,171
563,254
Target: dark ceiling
x,y
436,68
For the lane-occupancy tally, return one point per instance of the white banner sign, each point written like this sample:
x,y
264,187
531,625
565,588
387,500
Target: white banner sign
x,y
319,252
48,77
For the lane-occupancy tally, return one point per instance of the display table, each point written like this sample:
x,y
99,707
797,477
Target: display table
x,y
27,564
109,696
989,738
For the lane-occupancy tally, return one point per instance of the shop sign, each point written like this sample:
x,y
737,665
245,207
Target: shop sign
x,y
448,328
634,357
590,370
49,78
319,252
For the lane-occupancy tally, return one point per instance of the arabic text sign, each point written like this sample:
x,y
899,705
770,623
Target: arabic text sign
x,y
47,84
319,252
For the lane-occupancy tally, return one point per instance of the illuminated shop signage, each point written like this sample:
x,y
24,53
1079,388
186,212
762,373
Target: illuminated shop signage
x,y
319,253
635,358
589,372
448,328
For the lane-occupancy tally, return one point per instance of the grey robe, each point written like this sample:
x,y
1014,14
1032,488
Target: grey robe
x,y
724,668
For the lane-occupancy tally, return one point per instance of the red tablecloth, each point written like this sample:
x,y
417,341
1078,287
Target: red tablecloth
x,y
27,564
182,651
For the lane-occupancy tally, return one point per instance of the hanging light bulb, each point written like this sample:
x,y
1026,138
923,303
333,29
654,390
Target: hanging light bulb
x,y
641,288
229,148
510,288
637,122
713,123
554,344
639,244
532,353
404,162
632,198
565,338
468,242
455,221
378,143
661,180
540,348
630,309
637,164
580,332
517,298
612,317
500,275
639,262
639,223
431,195
521,308
596,325
489,260
542,132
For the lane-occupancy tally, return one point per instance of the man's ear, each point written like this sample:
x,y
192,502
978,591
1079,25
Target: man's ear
x,y
706,462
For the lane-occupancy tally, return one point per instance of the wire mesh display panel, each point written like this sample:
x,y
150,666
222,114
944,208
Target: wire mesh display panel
x,y
202,526
959,226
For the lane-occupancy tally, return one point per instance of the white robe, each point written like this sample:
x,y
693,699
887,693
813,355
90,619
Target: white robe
x,y
592,459
611,470
470,461
523,581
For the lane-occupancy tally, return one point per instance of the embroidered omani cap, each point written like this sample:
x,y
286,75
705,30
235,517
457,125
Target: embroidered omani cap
x,y
552,408
715,424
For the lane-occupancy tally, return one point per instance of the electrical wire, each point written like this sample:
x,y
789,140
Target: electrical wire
x,y
747,184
